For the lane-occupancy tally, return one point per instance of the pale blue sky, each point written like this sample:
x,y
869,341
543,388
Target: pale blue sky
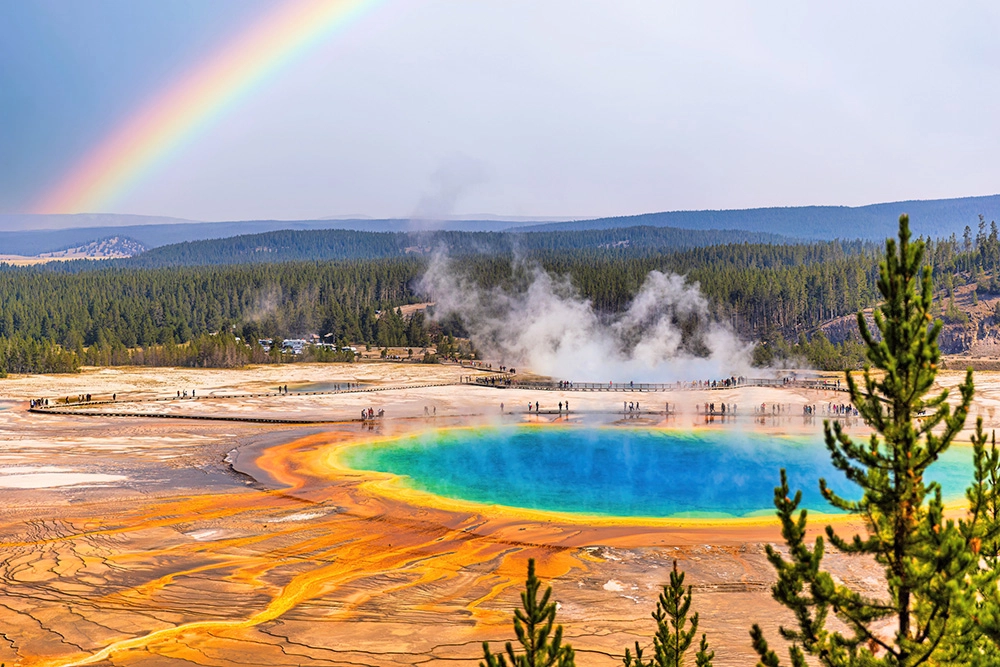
x,y
548,108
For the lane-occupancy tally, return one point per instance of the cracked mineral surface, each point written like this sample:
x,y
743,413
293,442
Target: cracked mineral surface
x,y
160,541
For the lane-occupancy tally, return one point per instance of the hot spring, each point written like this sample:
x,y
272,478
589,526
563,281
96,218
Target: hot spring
x,y
623,472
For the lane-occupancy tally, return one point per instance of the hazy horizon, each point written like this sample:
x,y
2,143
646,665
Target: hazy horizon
x,y
437,109
19,221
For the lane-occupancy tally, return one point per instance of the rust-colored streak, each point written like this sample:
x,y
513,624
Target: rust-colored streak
x,y
249,576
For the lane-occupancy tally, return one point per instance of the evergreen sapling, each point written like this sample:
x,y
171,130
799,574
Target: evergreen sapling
x,y
533,626
928,561
673,638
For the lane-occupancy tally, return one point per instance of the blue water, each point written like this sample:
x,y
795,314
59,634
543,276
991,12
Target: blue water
x,y
623,472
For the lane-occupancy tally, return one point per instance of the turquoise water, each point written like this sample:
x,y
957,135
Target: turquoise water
x,y
623,472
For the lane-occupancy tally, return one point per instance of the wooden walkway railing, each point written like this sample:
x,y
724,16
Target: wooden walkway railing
x,y
100,406
505,381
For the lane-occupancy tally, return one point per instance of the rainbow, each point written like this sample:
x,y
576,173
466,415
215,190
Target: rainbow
x,y
196,100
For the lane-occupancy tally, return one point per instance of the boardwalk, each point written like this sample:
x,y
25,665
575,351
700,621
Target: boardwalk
x,y
504,381
100,407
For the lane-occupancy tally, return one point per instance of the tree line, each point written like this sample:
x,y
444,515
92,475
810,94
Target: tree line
x,y
344,244
774,293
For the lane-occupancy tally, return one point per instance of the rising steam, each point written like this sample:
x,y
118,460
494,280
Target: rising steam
x,y
666,334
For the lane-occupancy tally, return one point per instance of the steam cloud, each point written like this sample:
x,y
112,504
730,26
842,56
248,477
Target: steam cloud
x,y
666,334
455,176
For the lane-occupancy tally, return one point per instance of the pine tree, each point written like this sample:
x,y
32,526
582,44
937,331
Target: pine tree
x,y
672,639
926,559
977,635
533,625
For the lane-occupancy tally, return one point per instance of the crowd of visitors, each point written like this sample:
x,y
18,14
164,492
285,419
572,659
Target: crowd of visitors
x,y
370,413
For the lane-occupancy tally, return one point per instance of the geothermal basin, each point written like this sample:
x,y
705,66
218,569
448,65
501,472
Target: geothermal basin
x,y
617,471
151,530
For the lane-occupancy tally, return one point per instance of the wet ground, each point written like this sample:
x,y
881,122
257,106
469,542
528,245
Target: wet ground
x,y
134,540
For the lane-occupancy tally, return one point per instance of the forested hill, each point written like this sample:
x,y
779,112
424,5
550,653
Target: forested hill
x,y
938,218
93,311
340,244
54,316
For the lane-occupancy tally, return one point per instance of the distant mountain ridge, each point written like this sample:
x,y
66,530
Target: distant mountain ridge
x,y
111,247
153,235
26,222
36,234
934,217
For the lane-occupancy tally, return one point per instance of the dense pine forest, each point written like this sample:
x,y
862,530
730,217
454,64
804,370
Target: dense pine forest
x,y
58,316
340,244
